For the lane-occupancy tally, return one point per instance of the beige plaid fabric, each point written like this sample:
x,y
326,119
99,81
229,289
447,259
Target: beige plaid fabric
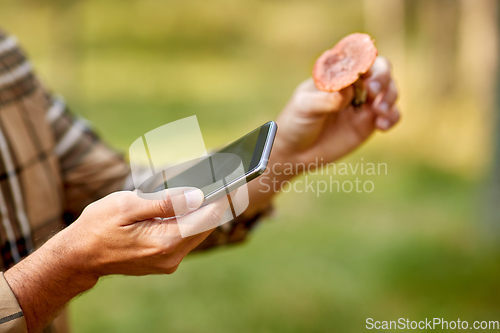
x,y
51,166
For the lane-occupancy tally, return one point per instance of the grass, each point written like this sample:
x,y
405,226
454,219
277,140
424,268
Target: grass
x,y
413,248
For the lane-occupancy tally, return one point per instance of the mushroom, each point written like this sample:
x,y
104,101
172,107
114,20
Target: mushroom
x,y
344,64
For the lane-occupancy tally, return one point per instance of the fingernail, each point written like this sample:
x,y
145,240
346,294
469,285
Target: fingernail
x,y
194,198
383,123
383,107
374,87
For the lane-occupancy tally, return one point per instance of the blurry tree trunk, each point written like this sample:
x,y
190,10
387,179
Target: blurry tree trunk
x,y
66,31
385,22
493,203
438,23
478,46
478,76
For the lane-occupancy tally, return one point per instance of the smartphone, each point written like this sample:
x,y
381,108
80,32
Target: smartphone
x,y
223,171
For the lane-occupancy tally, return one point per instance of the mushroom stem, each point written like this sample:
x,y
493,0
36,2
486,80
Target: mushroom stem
x,y
360,94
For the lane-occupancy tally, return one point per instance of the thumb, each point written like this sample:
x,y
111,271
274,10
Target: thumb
x,y
316,102
167,203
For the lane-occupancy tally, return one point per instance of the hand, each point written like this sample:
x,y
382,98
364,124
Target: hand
x,y
124,234
119,234
318,124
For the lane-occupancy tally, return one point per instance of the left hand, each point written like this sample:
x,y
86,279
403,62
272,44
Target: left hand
x,y
318,124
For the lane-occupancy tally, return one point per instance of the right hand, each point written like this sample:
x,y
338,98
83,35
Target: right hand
x,y
119,234
123,233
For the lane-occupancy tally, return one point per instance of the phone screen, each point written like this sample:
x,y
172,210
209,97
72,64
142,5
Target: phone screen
x,y
249,148
230,163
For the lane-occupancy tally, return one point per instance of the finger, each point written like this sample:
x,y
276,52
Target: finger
x,y
385,123
205,218
164,204
190,238
307,85
188,244
321,102
385,100
378,77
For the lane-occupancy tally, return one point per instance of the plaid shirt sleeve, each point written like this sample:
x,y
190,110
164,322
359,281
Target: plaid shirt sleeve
x,y
11,315
89,169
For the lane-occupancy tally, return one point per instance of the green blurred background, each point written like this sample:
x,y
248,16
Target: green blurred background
x,y
421,245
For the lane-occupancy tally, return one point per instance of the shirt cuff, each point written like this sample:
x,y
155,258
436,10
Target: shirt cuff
x,y
11,316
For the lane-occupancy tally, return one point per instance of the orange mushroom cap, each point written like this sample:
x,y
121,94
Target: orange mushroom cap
x,y
343,64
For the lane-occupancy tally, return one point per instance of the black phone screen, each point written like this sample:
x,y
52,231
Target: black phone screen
x,y
249,148
230,163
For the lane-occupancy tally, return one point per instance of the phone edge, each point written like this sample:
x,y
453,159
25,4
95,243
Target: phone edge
x,y
256,172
